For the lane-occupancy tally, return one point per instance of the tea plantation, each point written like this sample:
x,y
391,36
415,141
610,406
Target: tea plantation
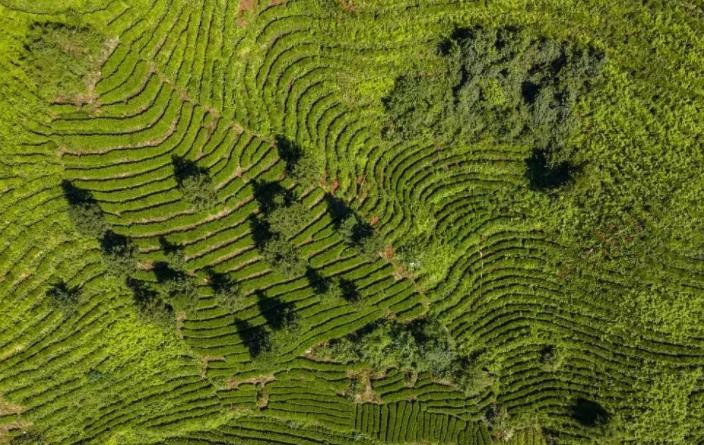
x,y
351,222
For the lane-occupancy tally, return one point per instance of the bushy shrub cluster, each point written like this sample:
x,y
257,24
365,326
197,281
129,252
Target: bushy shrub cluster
x,y
60,56
502,84
422,346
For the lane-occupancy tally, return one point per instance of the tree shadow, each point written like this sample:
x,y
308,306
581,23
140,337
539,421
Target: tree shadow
x,y
165,273
445,46
220,282
76,195
168,247
548,354
185,168
319,283
147,299
349,291
337,209
278,314
141,292
362,231
529,91
589,413
542,176
290,152
261,232
255,338
63,295
114,242
271,194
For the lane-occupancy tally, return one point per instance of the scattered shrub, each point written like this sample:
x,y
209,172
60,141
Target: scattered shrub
x,y
148,302
173,253
26,437
301,166
360,234
271,195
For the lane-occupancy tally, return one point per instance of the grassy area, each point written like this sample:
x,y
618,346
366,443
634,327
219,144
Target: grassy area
x,y
351,221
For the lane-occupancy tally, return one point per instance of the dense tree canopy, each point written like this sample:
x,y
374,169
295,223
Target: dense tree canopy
x,y
502,84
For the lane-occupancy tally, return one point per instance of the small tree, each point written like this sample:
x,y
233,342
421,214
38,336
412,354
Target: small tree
x,y
227,291
63,297
119,254
194,183
348,228
181,292
174,254
88,219
198,191
372,245
284,257
84,211
176,287
307,171
289,220
148,303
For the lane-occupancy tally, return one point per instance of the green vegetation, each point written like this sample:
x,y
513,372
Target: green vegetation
x,y
504,85
424,346
351,222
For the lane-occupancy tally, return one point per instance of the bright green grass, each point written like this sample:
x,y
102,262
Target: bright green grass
x,y
609,272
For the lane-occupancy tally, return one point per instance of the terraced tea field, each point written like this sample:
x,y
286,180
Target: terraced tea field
x,y
220,225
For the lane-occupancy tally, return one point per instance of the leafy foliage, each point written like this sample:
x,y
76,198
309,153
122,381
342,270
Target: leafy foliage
x,y
301,165
422,346
227,291
289,220
150,305
360,234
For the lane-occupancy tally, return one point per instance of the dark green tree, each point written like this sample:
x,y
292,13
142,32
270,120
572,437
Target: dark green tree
x,y
289,220
503,84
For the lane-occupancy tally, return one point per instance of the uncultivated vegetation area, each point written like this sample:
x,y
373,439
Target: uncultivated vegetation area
x,y
351,222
